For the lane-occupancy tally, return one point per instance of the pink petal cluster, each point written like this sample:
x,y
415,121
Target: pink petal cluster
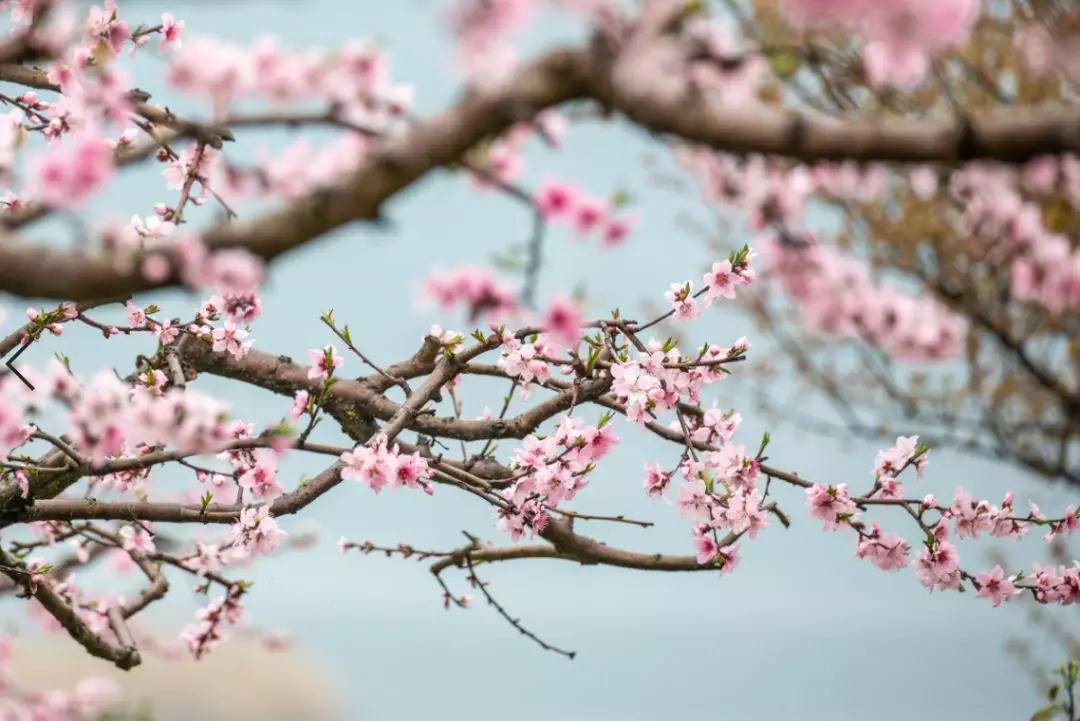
x,y
549,471
474,288
377,466
562,321
68,173
902,37
324,362
560,202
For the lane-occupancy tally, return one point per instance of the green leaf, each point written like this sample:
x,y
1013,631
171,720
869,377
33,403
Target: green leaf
x,y
785,63
590,364
1046,714
709,483
511,261
621,198
765,438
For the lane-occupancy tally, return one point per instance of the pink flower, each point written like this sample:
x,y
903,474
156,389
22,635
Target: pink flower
x,y
905,35
324,362
410,471
886,551
562,320
727,558
631,382
135,315
720,282
71,171
1067,525
137,540
830,504
477,288
707,550
596,442
893,460
995,586
171,28
681,297
589,215
23,483
694,500
233,271
372,466
745,514
166,332
230,339
616,230
939,567
656,479
261,478
256,533
556,200
105,25
299,406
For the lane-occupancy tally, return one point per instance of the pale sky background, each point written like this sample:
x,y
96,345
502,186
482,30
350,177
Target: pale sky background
x,y
801,630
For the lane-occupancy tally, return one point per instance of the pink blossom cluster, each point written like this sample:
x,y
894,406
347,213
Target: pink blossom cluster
x,y
550,470
255,469
504,158
91,610
72,170
661,376
528,361
355,78
938,565
152,245
560,202
94,94
719,493
724,70
832,290
483,30
768,192
354,81
719,490
208,630
107,420
324,362
834,294
1007,227
720,282
14,428
378,465
562,322
901,37
475,288
256,533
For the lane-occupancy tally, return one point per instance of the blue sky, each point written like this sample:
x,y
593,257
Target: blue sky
x,y
802,629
